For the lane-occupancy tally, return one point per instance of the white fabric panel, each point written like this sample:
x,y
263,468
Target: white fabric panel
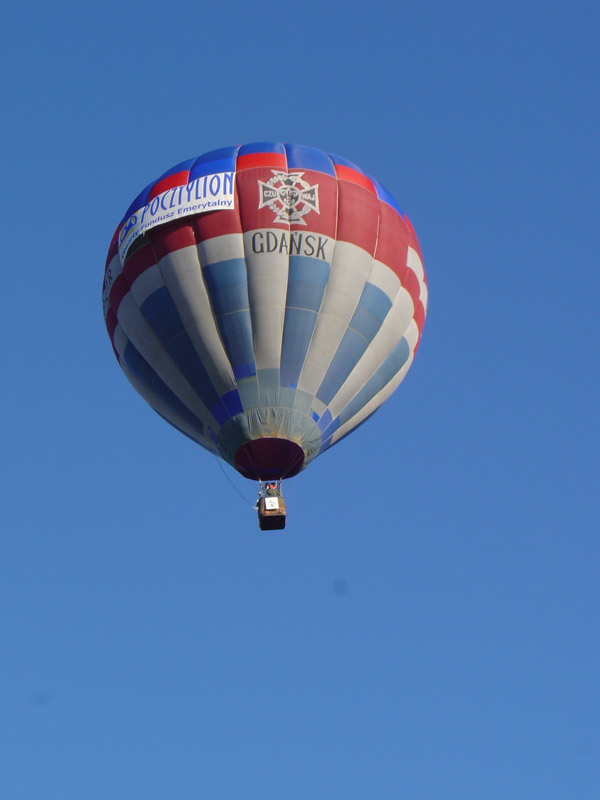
x,y
267,290
146,284
424,295
182,275
318,406
115,266
374,404
394,325
414,262
350,268
137,330
360,375
385,279
121,341
165,411
387,337
128,311
221,248
412,336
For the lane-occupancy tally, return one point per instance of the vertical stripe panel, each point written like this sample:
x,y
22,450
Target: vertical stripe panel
x,y
391,332
156,393
349,271
370,313
182,274
370,405
267,287
148,345
306,288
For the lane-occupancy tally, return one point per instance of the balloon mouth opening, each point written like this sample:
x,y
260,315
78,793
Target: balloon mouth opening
x,y
269,459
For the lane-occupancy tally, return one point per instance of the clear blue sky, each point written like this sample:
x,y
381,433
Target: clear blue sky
x,y
428,626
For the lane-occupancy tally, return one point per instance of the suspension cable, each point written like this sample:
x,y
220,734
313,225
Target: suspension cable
x,y
232,484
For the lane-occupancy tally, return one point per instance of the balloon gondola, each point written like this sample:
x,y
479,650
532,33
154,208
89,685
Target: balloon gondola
x,y
265,299
271,507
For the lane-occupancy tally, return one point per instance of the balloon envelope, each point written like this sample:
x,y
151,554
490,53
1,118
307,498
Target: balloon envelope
x,y
265,299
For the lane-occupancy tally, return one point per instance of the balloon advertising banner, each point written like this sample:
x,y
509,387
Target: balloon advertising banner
x,y
202,194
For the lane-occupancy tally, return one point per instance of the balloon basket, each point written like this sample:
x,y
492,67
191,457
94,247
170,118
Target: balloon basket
x,y
271,513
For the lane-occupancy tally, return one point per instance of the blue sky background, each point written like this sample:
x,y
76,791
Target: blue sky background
x,y
428,625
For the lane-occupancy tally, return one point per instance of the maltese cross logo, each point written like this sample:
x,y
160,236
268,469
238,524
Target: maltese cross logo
x,y
289,196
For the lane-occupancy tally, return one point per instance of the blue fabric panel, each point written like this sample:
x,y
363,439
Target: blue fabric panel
x,y
146,375
184,166
297,333
372,309
139,202
351,348
395,361
386,197
219,412
232,402
306,282
393,364
236,332
226,282
222,160
261,147
185,356
220,154
331,430
325,421
306,286
315,416
301,157
227,285
244,371
161,314
344,162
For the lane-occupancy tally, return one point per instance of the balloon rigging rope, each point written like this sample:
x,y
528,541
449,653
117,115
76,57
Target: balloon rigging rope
x,y
233,484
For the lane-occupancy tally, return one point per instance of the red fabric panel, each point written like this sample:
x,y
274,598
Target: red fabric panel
x,y
172,236
345,173
216,223
138,262
392,244
250,160
118,291
177,179
358,216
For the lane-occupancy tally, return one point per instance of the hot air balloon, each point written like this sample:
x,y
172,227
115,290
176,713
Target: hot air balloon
x,y
265,299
